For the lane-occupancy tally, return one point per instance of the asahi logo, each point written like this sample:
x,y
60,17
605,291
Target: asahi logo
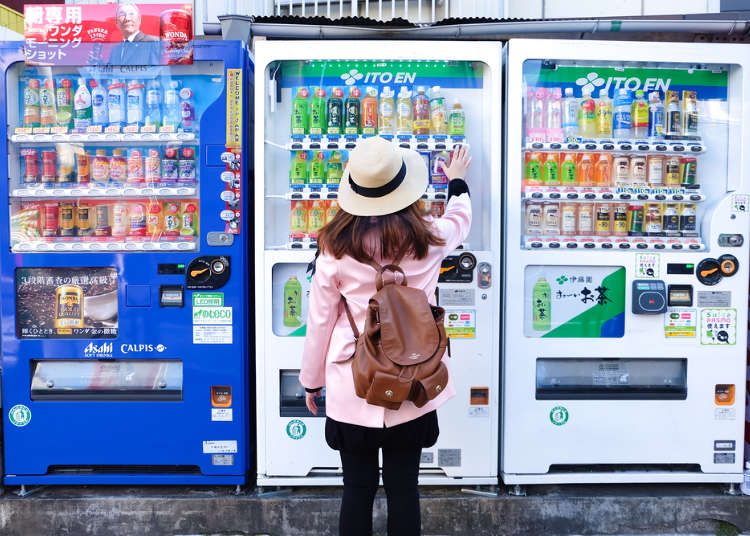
x,y
593,80
98,350
376,77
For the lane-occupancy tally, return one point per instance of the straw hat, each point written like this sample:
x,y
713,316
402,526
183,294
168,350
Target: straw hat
x,y
381,178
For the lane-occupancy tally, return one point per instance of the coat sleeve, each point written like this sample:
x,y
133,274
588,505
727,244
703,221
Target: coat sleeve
x,y
322,314
454,225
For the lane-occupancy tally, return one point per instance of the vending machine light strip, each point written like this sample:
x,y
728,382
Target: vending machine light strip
x,y
124,192
615,243
103,137
619,146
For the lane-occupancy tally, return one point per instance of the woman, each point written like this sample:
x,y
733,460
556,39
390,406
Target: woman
x,y
380,220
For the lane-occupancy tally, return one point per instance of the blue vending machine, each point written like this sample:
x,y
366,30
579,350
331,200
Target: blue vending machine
x,y
124,261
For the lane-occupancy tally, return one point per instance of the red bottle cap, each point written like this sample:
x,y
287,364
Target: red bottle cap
x,y
170,152
320,92
188,152
337,92
34,83
355,92
190,208
65,83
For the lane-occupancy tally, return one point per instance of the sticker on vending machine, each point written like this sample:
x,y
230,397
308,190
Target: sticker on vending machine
x,y
647,265
221,414
740,203
679,322
460,323
718,327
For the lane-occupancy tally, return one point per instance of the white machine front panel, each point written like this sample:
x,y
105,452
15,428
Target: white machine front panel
x,y
598,377
300,159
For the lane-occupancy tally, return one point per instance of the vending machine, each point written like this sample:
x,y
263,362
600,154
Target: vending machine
x,y
315,101
124,261
626,262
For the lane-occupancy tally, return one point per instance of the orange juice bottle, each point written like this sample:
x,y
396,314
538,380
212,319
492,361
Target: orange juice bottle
x,y
298,220
603,170
585,171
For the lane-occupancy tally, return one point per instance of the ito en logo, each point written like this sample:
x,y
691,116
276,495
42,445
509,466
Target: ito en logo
x,y
19,415
352,77
590,82
296,429
558,416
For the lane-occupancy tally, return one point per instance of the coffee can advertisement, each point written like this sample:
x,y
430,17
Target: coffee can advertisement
x,y
108,34
66,303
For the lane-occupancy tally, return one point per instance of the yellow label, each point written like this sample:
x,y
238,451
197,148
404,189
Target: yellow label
x,y
234,107
94,129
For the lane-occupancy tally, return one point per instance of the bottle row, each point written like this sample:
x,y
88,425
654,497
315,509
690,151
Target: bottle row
x,y
552,117
610,219
52,103
604,169
104,220
72,165
386,114
316,169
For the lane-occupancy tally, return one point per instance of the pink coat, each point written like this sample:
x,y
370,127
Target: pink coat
x,y
330,342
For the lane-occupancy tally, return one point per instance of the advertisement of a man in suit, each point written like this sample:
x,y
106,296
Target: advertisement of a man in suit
x,y
136,48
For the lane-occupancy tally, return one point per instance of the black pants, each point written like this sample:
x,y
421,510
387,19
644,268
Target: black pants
x,y
402,448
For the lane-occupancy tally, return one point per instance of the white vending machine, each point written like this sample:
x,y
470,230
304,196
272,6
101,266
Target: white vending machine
x,y
314,101
626,262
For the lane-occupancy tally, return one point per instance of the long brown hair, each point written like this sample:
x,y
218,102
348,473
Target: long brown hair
x,y
403,233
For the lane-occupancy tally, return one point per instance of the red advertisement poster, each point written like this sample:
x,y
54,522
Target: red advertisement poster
x,y
108,34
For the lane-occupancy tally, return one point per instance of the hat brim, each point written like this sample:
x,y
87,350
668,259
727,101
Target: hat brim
x,y
410,190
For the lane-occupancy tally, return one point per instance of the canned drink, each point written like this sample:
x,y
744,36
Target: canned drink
x,y
83,176
603,219
635,220
437,209
551,218
620,219
51,219
66,163
30,166
689,173
101,221
119,219
638,170
622,170
568,219
84,219
656,170
670,219
176,30
67,216
672,171
49,166
586,219
688,225
533,218
135,166
652,223
68,307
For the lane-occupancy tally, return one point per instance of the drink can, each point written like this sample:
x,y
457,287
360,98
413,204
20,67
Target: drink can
x,y
120,219
635,220
689,174
533,218
670,219
176,30
638,170
171,218
68,307
603,219
585,219
656,170
101,220
135,166
437,209
620,219
51,219
84,219
672,171
49,166
688,225
84,168
652,222
31,166
67,216
622,170
568,219
551,218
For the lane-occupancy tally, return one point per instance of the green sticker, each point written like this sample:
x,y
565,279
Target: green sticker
x,y
615,25
208,299
19,415
296,429
558,416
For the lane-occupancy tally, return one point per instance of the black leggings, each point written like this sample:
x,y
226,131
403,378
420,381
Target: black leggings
x,y
400,472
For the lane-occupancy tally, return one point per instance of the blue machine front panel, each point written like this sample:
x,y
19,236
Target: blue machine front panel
x,y
141,402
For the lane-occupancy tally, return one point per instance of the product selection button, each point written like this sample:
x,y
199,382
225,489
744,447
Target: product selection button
x,y
227,176
227,215
228,196
227,157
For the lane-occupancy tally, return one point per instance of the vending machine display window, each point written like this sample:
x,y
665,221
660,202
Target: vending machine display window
x,y
619,155
66,303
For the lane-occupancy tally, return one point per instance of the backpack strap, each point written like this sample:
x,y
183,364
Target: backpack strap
x,y
351,319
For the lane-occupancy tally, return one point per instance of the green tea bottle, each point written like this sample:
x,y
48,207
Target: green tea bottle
x,y
318,112
300,113
334,170
541,303
318,170
292,302
298,173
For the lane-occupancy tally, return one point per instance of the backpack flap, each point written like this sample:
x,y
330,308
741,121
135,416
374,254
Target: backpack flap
x,y
428,388
387,390
408,333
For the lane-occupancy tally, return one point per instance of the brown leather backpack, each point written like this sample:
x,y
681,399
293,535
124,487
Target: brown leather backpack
x,y
399,355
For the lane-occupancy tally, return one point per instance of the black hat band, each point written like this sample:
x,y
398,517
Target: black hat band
x,y
380,191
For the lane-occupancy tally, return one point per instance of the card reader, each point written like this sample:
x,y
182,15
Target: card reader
x,y
649,297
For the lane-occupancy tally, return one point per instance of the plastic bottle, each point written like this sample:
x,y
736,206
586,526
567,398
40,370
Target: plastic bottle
x,y
673,114
300,113
299,172
570,115
335,112
655,116
387,113
554,115
186,165
404,114
639,116
585,170
137,218
187,109
172,106
622,119
438,112
318,112
153,104
135,103
154,223
457,120
100,167
551,170
334,170
82,106
604,115
370,111
116,102
170,171
47,108
120,219
352,112
317,177
98,103
31,111
421,120
292,303
535,117
568,170
64,99
118,166
188,218
541,302
587,116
